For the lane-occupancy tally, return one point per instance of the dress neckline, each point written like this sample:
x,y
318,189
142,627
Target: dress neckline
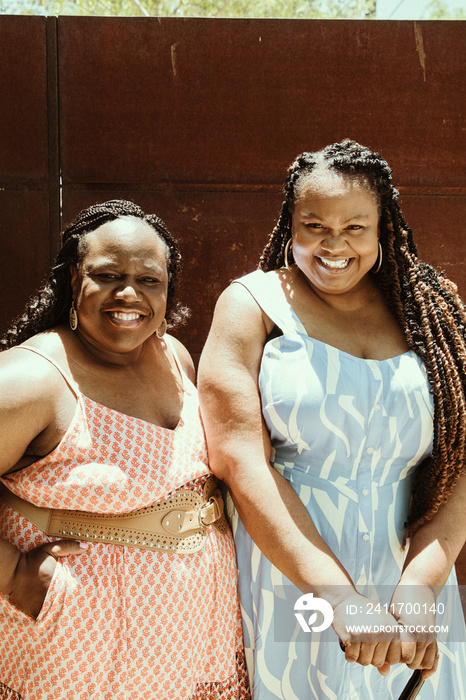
x,y
184,379
356,357
127,416
301,329
80,396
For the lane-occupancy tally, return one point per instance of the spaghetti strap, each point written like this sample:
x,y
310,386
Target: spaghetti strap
x,y
266,290
70,382
184,376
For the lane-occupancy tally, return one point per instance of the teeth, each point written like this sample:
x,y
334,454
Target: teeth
x,y
122,316
335,264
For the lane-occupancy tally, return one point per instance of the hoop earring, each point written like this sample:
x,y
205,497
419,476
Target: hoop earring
x,y
285,254
73,317
379,257
162,329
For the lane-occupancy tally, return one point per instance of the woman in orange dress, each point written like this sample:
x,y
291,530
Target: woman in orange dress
x,y
99,418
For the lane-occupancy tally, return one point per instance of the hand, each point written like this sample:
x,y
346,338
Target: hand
x,y
34,573
371,647
413,606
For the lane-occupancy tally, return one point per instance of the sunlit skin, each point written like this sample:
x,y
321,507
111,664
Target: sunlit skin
x,y
335,234
120,289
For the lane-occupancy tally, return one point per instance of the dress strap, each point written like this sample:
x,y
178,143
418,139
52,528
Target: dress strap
x,y
184,376
266,289
71,383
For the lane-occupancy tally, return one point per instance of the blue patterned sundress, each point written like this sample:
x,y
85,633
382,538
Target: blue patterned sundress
x,y
347,433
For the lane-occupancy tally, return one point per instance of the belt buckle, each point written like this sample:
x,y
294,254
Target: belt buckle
x,y
216,501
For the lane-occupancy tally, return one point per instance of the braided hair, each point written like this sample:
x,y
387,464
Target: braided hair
x,y
50,307
424,302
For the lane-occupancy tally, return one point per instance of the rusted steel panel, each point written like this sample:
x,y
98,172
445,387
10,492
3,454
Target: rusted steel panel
x,y
437,225
28,193
201,100
23,107
25,254
227,104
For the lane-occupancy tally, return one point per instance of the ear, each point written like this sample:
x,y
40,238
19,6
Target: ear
x,y
74,279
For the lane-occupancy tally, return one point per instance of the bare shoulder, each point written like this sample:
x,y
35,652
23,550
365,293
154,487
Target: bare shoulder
x,y
238,313
55,343
184,358
26,375
35,405
237,337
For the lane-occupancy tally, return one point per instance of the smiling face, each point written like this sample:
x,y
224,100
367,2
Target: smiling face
x,y
120,288
335,231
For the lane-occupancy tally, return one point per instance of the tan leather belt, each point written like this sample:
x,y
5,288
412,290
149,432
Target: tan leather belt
x,y
176,524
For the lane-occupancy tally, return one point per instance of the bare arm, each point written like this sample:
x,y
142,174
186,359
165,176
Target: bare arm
x,y
30,391
239,446
435,547
26,404
432,552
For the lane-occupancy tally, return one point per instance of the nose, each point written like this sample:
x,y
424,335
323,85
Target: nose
x,y
128,291
333,242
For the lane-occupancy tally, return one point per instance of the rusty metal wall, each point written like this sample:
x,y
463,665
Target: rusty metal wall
x,y
29,195
197,120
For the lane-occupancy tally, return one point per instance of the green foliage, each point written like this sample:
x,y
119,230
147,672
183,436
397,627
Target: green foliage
x,y
439,10
291,9
298,9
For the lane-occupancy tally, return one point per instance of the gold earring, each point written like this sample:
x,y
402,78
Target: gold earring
x,y
285,255
379,259
162,329
73,317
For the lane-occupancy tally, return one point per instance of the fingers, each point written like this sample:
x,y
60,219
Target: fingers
x,y
415,655
394,653
428,672
393,644
366,653
421,655
361,653
383,656
384,670
65,548
353,653
352,650
430,661
379,658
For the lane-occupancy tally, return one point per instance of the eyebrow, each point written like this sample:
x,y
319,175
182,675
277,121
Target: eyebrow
x,y
108,262
311,215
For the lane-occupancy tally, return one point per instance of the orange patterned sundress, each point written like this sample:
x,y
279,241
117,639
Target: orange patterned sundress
x,y
121,623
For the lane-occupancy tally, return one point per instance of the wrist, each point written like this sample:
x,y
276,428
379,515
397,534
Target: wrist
x,y
421,585
337,595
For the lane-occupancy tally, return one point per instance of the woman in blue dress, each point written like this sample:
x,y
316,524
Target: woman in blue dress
x,y
333,392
